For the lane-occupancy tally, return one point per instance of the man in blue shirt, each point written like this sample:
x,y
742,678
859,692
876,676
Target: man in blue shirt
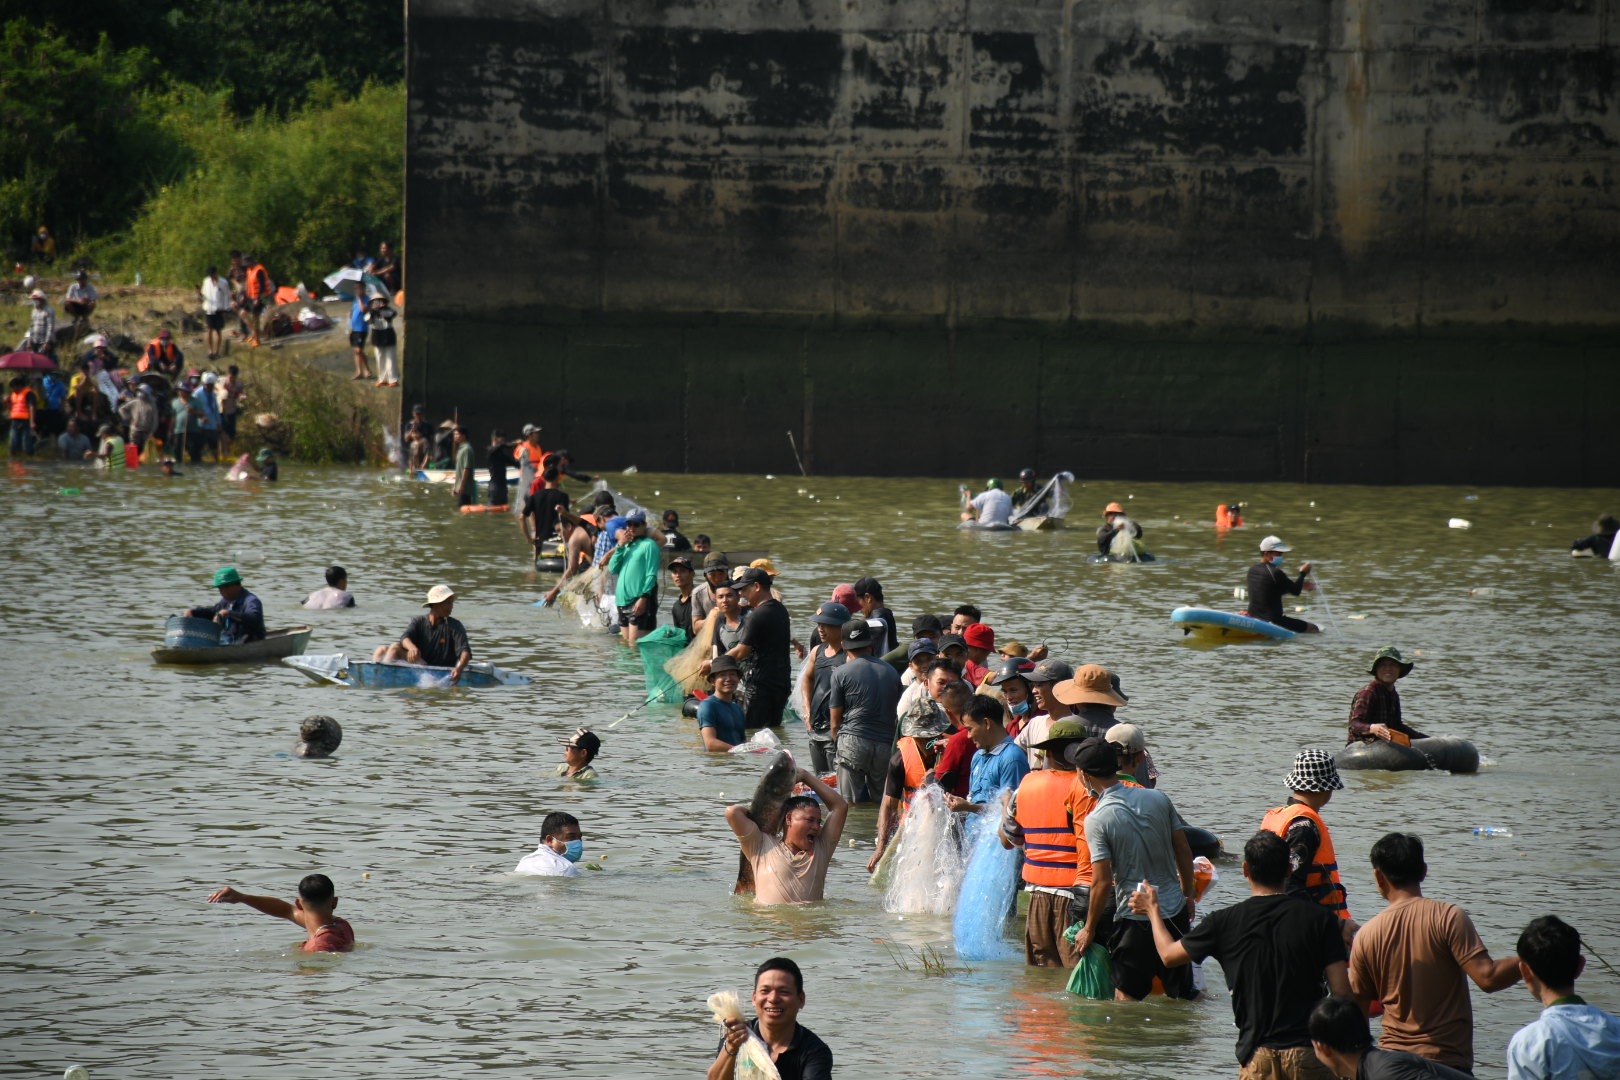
x,y
238,610
997,763
1570,1038
357,336
720,717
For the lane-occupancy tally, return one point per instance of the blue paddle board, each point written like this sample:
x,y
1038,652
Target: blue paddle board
x,y
1212,625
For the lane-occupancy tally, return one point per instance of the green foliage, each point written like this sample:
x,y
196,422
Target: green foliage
x,y
300,192
264,53
323,418
81,146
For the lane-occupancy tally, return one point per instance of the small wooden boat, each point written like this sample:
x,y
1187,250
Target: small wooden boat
x,y
339,670
275,645
1224,626
1039,523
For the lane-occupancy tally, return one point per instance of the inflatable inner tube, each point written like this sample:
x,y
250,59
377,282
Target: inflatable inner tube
x,y
689,707
1452,755
1146,556
550,566
1203,842
976,527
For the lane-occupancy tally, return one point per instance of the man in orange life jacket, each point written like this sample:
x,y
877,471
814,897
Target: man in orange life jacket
x,y
1313,867
916,752
1057,864
256,293
162,355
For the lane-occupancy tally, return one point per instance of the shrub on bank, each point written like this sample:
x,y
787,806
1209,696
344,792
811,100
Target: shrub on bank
x,y
323,418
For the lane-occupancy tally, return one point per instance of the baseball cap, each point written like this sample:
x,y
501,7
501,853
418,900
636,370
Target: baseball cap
x,y
926,724
979,636
1094,756
750,575
867,585
635,517
439,594
1126,738
1050,671
1062,731
716,560
1274,543
584,739
857,633
1090,684
680,560
950,640
926,624
831,614
919,647
163,333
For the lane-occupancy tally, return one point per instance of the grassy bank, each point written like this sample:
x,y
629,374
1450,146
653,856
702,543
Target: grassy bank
x,y
302,380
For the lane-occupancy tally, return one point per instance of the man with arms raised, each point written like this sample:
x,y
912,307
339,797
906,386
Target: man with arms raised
x,y
792,869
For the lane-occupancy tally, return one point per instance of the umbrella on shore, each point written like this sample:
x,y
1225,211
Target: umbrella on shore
x,y
351,281
27,361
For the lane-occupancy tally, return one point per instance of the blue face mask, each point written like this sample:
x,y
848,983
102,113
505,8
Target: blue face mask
x,y
1020,709
574,850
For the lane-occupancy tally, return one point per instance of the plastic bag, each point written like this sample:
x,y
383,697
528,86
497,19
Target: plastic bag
x,y
765,742
753,1057
1093,976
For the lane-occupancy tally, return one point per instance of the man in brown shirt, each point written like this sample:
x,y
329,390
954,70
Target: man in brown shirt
x,y
1412,956
793,869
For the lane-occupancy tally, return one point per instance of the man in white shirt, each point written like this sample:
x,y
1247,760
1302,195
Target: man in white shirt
x,y
993,505
81,298
215,293
561,844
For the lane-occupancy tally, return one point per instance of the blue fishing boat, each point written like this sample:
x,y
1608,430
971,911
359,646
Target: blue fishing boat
x,y
338,669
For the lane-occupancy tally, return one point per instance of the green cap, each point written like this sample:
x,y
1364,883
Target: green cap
x,y
227,576
264,455
1062,731
1389,652
992,483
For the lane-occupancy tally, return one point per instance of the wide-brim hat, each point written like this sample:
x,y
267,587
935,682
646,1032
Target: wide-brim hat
x,y
722,664
765,565
1389,652
439,594
925,723
1313,771
1090,684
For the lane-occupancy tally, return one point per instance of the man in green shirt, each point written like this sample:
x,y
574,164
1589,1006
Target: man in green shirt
x,y
636,561
466,489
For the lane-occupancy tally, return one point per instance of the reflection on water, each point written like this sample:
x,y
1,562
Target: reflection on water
x,y
134,790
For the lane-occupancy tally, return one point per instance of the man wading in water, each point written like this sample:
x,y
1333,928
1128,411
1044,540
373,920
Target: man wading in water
x,y
792,870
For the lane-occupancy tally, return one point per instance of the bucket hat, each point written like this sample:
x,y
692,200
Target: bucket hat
x,y
1090,683
723,664
439,594
227,576
1313,771
925,723
1389,652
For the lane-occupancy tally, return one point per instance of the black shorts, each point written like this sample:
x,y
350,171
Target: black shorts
x,y
645,622
1136,962
764,708
227,424
357,338
214,319
253,307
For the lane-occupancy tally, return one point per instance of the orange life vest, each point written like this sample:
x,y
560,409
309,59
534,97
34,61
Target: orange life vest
x,y
257,283
1322,882
155,353
916,769
1051,854
19,404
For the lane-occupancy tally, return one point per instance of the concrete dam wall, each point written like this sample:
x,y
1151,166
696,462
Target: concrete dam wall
x,y
1318,240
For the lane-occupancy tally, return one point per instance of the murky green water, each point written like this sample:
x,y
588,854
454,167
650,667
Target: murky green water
x,y
133,790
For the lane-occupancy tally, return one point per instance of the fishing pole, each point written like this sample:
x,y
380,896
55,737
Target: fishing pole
x,y
795,444
1587,945
633,711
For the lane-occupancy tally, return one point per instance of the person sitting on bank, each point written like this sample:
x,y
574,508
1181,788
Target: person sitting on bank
x,y
579,750
720,715
916,753
1601,542
313,910
778,999
434,639
1114,519
793,869
1342,1041
1570,1038
336,594
1376,711
992,505
239,613
561,845
81,298
1268,583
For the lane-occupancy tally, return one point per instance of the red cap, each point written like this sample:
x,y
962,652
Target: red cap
x,y
164,332
979,636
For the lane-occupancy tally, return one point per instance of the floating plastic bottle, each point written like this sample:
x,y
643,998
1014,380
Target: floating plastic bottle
x,y
1460,523
1492,830
67,491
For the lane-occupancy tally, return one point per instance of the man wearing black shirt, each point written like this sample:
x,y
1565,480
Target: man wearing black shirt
x,y
1268,582
542,509
1279,957
795,1050
434,639
500,459
672,538
767,636
680,612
